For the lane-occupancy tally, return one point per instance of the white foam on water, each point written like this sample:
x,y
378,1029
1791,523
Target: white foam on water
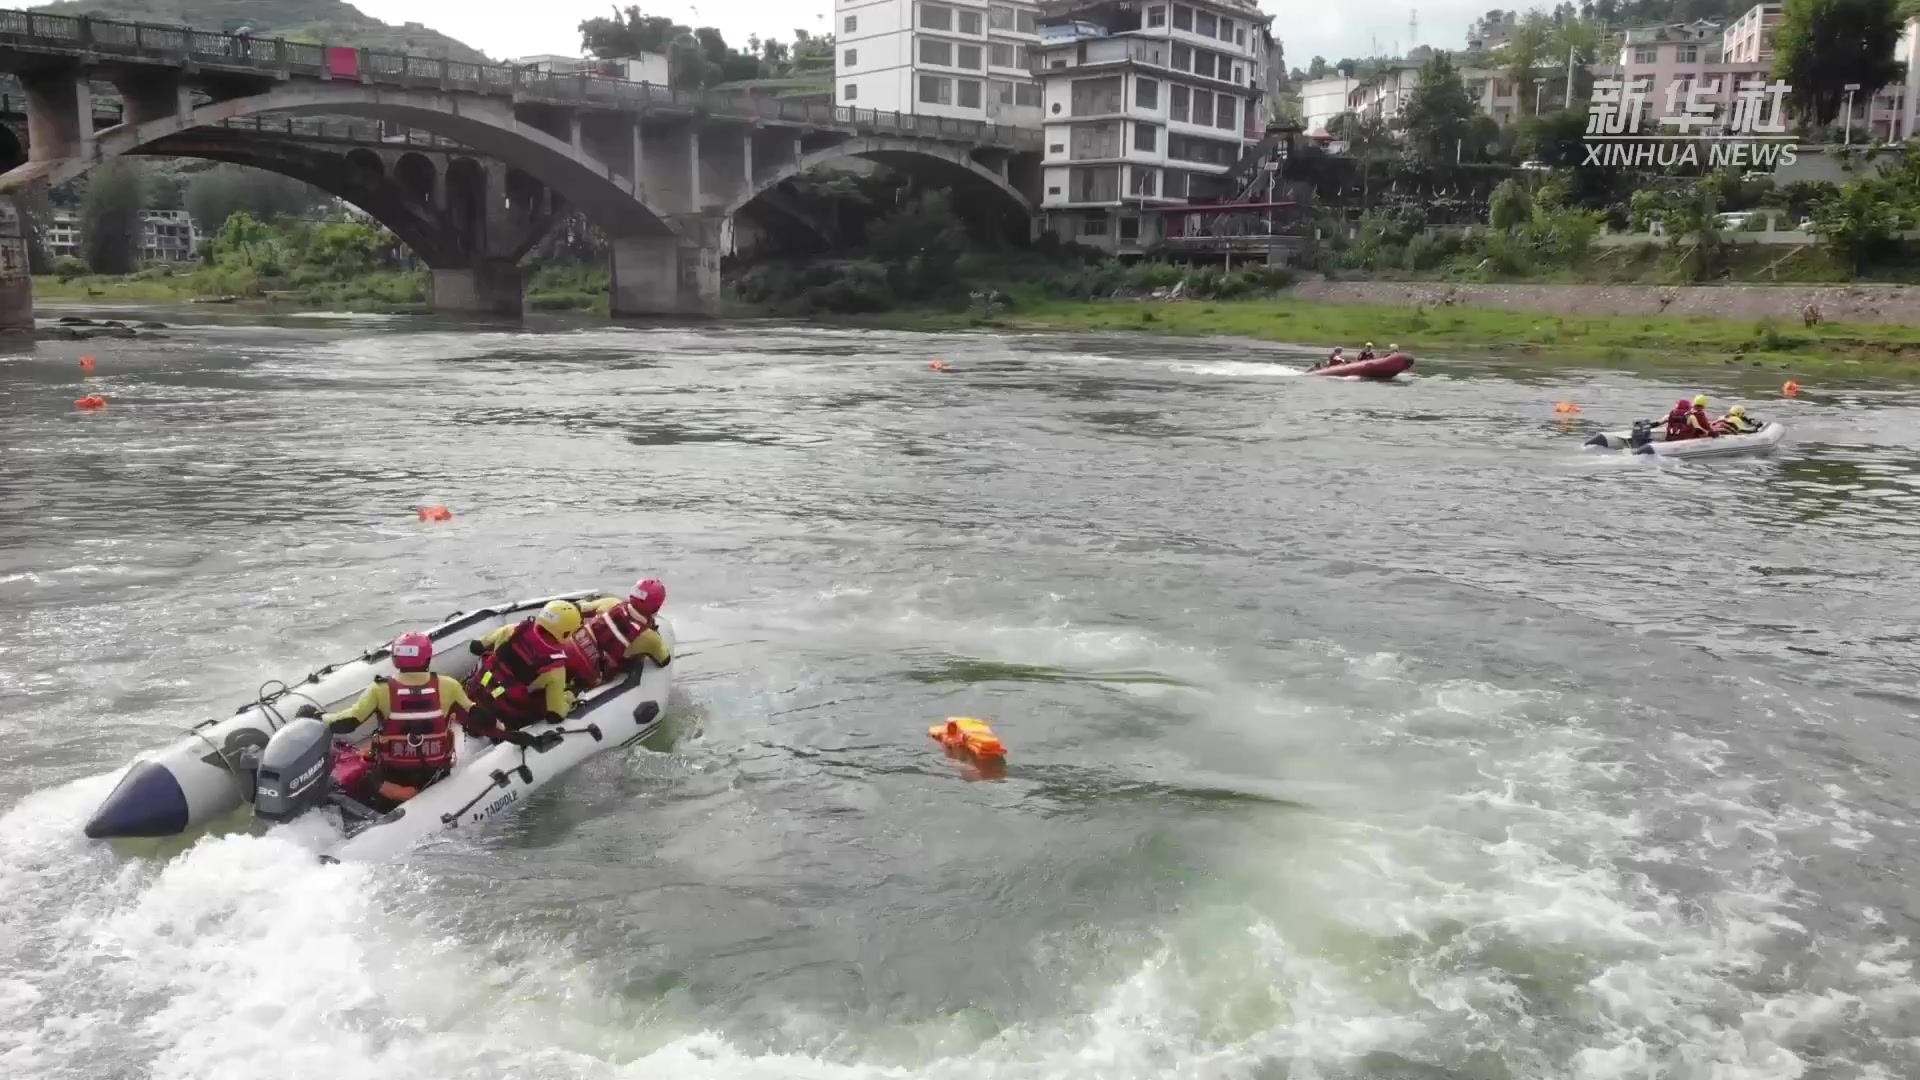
x,y
1239,369
1504,911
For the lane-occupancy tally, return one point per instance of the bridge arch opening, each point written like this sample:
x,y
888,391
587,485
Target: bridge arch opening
x,y
467,200
365,166
986,201
416,176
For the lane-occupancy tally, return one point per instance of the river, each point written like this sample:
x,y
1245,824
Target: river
x,y
1357,731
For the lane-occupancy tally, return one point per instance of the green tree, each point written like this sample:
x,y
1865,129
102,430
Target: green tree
x,y
1510,207
924,240
1368,140
1690,218
1526,46
110,217
1824,45
1318,68
218,193
1437,113
1860,222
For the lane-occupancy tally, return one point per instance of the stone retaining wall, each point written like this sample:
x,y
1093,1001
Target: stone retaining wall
x,y
1783,303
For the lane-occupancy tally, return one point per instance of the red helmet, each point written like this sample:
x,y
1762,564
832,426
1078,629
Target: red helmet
x,y
647,596
412,651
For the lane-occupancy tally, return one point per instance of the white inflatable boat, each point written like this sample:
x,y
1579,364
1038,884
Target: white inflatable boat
x,y
218,766
1648,440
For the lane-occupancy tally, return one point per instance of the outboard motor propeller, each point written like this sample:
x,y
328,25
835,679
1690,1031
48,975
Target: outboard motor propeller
x,y
296,771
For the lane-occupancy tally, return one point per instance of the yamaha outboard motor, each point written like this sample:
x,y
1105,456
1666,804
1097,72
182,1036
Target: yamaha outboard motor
x,y
1642,436
296,771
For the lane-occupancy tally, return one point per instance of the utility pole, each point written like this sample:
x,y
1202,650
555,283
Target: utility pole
x,y
1568,103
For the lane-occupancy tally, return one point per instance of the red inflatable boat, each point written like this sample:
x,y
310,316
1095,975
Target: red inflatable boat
x,y
1380,367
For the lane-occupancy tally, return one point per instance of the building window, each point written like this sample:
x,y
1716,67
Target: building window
x,y
1029,22
1146,137
1143,181
970,57
936,18
851,58
1182,17
1026,94
970,22
851,93
1689,54
1129,228
1236,73
1057,148
1001,54
1206,24
1227,110
851,24
1092,97
1098,184
969,93
1096,141
1157,16
1204,151
1203,107
1177,103
1645,54
1183,58
935,90
1226,28
1000,91
1053,191
1093,226
935,51
1203,63
1000,17
1240,37
1146,93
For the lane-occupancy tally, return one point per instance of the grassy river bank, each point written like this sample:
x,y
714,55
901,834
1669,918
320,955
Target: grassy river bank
x,y
1783,345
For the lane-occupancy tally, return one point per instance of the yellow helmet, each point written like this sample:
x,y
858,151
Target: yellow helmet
x,y
1369,344
1737,410
1701,400
559,618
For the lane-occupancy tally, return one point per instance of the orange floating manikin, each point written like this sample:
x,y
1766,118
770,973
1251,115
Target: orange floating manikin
x,y
91,401
434,513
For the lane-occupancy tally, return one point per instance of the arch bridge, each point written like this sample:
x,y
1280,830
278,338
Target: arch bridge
x,y
511,150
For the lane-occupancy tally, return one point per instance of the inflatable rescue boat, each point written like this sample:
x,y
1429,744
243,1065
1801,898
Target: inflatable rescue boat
x,y
1380,367
263,754
1649,438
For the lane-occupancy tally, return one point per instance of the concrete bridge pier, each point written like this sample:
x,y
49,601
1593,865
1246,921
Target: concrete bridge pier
x,y
489,287
663,275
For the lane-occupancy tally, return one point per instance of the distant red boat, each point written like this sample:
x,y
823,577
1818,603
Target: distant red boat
x,y
1380,367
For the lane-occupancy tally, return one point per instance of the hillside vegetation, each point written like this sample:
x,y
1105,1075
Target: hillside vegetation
x,y
329,22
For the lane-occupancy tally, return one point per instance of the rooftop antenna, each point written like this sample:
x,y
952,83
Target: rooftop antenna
x,y
1413,28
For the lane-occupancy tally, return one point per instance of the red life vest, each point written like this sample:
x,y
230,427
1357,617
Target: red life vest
x,y
585,662
614,630
506,675
1677,425
415,734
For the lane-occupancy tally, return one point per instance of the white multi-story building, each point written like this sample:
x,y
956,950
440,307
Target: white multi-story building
x,y
1323,99
1149,103
964,59
165,235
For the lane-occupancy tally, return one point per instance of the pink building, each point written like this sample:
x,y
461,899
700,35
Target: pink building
x,y
1671,61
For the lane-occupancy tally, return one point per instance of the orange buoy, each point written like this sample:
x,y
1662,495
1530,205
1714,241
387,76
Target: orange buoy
x,y
91,401
1790,388
963,736
86,363
434,513
937,365
1564,407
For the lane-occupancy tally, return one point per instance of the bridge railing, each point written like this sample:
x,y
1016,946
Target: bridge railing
x,y
76,34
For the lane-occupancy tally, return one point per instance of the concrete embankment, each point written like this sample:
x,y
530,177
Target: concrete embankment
x,y
1884,304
